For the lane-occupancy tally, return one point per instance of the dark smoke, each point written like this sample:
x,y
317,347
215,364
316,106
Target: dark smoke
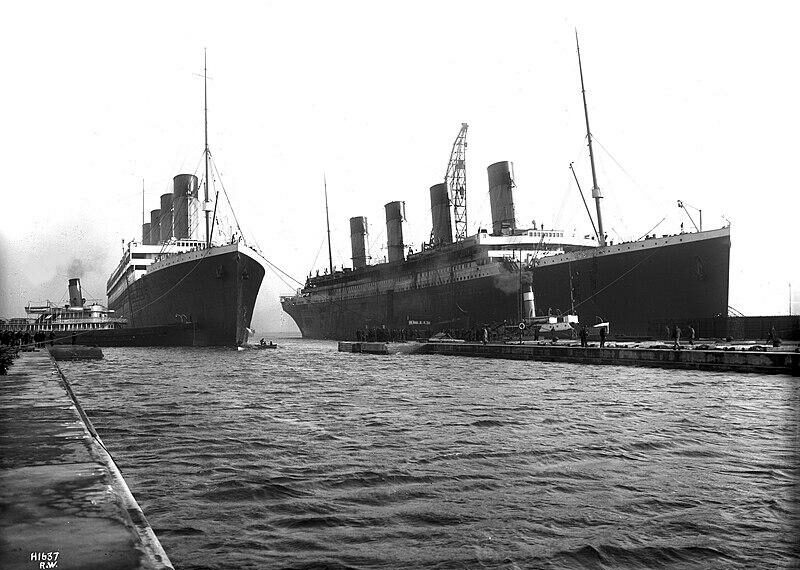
x,y
508,283
77,268
92,281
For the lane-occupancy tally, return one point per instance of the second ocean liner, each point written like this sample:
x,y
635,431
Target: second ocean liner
x,y
457,282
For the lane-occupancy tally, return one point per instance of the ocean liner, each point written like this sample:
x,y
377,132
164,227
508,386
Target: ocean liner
x,y
458,282
176,287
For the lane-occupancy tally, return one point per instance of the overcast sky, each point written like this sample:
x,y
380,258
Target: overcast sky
x,y
694,101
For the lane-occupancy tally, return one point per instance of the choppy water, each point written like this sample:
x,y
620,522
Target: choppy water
x,y
304,457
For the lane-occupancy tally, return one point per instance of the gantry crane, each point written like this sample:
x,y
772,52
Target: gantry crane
x,y
455,178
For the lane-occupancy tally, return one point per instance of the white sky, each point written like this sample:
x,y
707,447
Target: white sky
x,y
695,100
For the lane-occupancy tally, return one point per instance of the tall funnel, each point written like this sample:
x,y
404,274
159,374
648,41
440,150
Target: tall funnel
x,y
395,214
75,294
501,197
528,304
440,213
166,217
185,218
146,234
155,226
358,233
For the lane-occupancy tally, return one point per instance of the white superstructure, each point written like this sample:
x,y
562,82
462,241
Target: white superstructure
x,y
137,259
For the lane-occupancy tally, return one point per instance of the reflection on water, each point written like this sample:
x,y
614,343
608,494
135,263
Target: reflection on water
x,y
305,457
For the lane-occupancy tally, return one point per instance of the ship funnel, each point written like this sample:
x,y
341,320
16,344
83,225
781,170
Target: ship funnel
x,y
528,305
75,294
185,206
155,226
166,217
358,234
440,213
395,215
146,234
501,197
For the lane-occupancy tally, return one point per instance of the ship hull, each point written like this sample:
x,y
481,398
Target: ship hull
x,y
640,288
641,291
206,300
163,335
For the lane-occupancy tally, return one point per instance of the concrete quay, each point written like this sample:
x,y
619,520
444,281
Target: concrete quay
x,y
63,501
380,347
723,359
766,362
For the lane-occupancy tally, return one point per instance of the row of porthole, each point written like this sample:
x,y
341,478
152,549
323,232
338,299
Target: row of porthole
x,y
441,282
628,248
587,256
168,262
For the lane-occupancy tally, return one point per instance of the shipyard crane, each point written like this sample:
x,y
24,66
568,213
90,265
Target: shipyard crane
x,y
455,178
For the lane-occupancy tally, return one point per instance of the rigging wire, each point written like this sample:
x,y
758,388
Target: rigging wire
x,y
227,198
205,254
276,268
654,198
279,276
316,257
594,138
647,233
596,293
569,194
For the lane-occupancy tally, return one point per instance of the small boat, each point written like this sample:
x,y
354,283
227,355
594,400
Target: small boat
x,y
264,344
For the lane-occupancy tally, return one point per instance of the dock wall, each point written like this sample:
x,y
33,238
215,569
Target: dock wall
x,y
64,501
717,360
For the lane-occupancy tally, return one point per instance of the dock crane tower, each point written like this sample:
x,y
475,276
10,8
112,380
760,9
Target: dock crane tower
x,y
456,180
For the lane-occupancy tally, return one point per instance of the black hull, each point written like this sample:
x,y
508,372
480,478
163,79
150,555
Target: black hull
x,y
207,301
642,292
166,335
638,292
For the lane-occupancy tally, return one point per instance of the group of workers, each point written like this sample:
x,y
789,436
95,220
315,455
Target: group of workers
x,y
583,334
675,333
24,339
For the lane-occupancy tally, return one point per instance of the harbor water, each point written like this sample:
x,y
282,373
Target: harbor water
x,y
304,457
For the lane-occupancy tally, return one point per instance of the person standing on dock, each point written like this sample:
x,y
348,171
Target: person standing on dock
x,y
485,335
676,336
691,335
602,337
584,334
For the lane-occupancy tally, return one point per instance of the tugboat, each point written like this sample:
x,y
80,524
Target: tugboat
x,y
77,318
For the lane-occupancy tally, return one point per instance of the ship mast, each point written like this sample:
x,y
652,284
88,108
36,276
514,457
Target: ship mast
x,y
205,122
328,223
596,194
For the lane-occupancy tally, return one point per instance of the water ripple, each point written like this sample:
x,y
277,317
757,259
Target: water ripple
x,y
310,458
